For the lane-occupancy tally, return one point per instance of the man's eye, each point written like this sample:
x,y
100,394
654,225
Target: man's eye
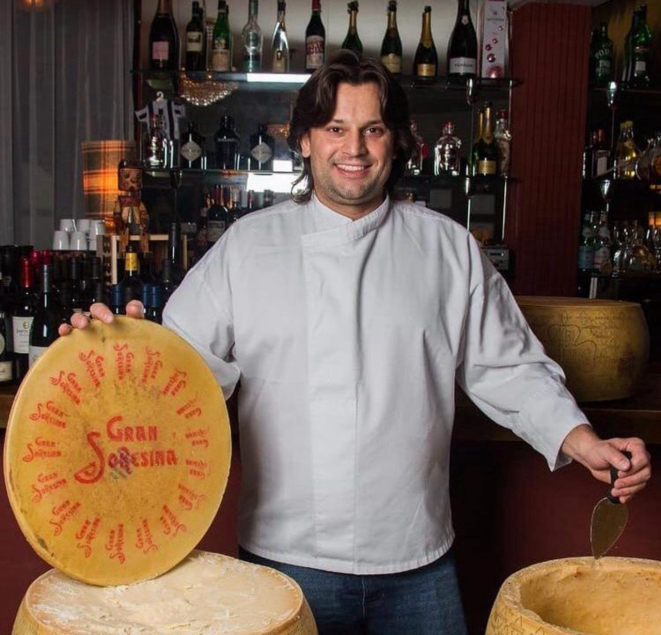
x,y
375,131
334,129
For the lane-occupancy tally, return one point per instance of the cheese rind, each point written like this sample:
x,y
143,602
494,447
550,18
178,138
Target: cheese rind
x,y
207,594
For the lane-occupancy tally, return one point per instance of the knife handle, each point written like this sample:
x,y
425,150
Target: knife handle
x,y
613,499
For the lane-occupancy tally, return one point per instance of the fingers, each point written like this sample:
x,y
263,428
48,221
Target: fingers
x,y
79,321
64,329
135,309
101,312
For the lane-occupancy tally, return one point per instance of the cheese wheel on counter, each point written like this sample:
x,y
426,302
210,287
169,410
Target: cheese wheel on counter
x,y
207,594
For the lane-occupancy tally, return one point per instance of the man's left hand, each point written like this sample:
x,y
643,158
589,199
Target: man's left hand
x,y
597,455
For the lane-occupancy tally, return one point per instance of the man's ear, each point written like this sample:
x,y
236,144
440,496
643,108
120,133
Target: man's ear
x,y
305,145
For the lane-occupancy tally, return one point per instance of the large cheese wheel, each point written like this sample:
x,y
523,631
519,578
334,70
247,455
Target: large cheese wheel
x,y
117,452
207,594
580,596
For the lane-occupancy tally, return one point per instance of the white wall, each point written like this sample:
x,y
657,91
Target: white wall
x,y
371,24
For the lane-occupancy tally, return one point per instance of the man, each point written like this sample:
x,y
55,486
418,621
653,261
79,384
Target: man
x,y
348,318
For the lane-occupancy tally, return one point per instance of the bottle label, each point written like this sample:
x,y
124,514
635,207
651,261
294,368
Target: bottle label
x,y
194,41
6,371
314,52
603,66
486,167
21,332
585,257
601,260
3,343
191,151
215,229
601,164
35,353
392,62
262,152
463,65
503,156
425,70
641,66
160,51
220,57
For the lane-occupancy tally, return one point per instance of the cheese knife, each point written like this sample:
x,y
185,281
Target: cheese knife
x,y
609,518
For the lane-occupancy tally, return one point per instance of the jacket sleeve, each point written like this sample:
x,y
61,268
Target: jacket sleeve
x,y
200,311
505,371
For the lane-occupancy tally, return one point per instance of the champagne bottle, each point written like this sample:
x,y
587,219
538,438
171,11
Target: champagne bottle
x,y
425,63
487,150
221,54
315,40
462,48
253,40
391,49
22,316
164,39
280,42
195,50
352,41
46,320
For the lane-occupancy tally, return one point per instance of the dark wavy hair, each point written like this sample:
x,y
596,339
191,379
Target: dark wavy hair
x,y
315,106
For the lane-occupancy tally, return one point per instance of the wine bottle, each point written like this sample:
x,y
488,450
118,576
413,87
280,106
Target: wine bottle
x,y
117,304
192,148
280,43
195,50
252,40
46,320
352,41
602,53
425,63
164,39
154,312
641,45
487,150
6,363
462,47
217,217
131,282
627,71
221,52
227,145
22,316
391,48
74,266
315,40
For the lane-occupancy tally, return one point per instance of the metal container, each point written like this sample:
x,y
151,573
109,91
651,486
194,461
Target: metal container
x,y
602,345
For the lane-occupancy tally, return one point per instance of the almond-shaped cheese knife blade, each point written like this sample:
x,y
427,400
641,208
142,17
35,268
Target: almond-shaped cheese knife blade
x,y
609,518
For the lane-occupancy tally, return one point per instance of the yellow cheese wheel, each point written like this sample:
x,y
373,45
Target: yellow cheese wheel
x,y
117,452
207,594
580,596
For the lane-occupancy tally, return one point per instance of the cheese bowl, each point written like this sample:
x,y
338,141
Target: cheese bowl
x,y
580,596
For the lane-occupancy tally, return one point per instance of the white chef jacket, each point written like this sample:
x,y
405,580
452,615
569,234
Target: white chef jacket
x,y
348,337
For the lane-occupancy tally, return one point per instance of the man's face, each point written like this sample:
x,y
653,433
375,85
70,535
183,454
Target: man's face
x,y
351,156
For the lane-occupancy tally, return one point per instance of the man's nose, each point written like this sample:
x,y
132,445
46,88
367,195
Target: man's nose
x,y
354,143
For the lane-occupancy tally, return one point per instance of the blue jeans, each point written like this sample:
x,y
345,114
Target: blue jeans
x,y
423,601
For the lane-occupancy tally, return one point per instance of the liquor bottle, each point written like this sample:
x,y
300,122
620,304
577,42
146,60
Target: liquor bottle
x,y
315,40
503,139
131,282
447,152
462,47
487,150
165,279
46,319
641,45
602,54
6,363
627,70
174,253
262,147
601,157
587,171
164,39
22,316
425,63
192,148
586,254
227,145
195,49
391,48
252,40
416,161
236,210
221,54
352,40
602,262
217,217
280,42
626,153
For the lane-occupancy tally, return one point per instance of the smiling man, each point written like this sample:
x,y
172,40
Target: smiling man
x,y
349,317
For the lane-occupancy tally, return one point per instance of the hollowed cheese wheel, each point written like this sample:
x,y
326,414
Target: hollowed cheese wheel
x,y
117,452
207,594
580,596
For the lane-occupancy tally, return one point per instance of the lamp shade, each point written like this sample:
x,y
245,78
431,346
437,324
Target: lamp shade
x,y
100,161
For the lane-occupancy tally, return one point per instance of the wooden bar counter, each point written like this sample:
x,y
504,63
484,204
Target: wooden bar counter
x,y
509,510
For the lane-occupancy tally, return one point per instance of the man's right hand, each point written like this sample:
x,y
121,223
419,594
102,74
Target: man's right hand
x,y
101,312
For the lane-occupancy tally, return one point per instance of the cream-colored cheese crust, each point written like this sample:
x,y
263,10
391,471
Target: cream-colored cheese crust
x,y
207,594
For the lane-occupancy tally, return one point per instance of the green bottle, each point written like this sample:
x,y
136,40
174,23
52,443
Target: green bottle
x,y
603,57
352,41
221,55
641,44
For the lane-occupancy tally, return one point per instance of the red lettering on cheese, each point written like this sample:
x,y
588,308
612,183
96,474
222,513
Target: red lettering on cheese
x,y
189,499
41,448
94,365
115,544
144,540
153,365
93,471
197,469
198,437
123,360
87,534
129,433
69,385
50,414
46,484
62,513
170,523
175,384
190,409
